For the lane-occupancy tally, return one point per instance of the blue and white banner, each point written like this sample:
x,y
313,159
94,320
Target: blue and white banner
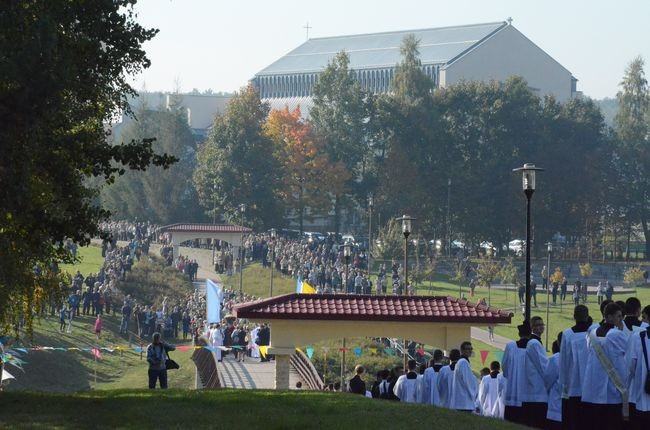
x,y
214,297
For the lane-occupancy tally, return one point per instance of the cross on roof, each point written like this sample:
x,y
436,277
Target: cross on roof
x,y
307,27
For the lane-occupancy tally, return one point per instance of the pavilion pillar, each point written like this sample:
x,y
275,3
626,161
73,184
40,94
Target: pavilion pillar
x,y
281,366
175,247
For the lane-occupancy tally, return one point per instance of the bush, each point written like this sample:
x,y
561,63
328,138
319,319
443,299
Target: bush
x,y
151,279
633,276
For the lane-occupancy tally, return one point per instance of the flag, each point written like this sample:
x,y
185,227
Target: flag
x,y
6,375
307,289
310,351
484,355
357,351
214,296
499,355
263,350
299,284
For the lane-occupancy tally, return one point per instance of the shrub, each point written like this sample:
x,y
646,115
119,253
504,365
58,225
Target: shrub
x,y
151,279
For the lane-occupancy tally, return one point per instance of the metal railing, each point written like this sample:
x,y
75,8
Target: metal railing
x,y
206,367
306,370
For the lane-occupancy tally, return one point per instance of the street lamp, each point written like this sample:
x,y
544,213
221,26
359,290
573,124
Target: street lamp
x,y
242,209
347,252
273,235
406,230
548,289
370,205
528,184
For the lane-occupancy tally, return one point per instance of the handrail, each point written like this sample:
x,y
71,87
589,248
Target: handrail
x,y
306,370
206,366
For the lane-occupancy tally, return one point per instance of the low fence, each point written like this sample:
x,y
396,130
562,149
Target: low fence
x,y
206,367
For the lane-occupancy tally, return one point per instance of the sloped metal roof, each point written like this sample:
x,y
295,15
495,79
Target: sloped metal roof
x,y
437,46
205,228
343,307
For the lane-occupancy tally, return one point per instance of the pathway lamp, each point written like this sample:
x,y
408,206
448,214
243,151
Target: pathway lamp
x,y
528,184
273,234
242,209
406,230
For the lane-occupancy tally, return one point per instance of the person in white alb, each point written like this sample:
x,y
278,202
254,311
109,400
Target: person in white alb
x,y
492,392
552,383
573,356
514,360
464,387
604,388
446,378
216,340
638,364
535,396
407,386
430,394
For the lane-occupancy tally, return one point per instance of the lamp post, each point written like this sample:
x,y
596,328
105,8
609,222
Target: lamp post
x,y
273,236
448,217
528,184
370,205
406,230
214,216
242,209
347,252
548,289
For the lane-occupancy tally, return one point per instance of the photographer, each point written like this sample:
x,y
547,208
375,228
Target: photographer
x,y
156,356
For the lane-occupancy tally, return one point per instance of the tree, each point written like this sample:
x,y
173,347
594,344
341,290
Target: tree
x,y
308,177
65,73
236,164
632,126
159,195
340,116
488,271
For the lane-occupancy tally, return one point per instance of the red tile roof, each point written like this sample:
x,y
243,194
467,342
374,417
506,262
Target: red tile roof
x,y
205,228
435,309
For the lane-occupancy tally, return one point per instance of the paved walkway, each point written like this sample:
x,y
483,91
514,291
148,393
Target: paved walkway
x,y
250,374
483,336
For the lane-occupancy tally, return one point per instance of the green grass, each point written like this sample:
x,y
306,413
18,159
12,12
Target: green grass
x,y
69,371
91,261
257,281
226,409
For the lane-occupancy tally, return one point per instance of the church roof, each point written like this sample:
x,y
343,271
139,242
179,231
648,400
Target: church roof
x,y
376,50
343,307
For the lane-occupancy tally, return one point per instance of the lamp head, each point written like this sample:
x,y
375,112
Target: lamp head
x,y
528,176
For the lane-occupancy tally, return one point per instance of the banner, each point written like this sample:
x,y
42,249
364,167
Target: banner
x,y
214,297
357,351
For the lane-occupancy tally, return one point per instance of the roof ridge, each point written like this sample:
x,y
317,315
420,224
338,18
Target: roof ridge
x,y
406,31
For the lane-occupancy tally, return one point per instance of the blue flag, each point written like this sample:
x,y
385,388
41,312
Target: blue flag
x,y
214,297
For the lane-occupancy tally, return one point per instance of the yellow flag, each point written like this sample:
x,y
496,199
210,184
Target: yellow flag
x,y
263,349
307,289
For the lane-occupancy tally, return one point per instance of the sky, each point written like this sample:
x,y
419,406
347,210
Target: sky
x,y
221,44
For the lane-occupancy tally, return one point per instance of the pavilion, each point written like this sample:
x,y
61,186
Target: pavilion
x,y
180,233
301,319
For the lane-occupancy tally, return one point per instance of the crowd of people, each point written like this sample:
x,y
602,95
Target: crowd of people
x,y
598,376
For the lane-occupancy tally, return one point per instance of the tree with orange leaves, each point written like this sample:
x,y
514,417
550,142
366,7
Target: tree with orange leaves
x,y
309,178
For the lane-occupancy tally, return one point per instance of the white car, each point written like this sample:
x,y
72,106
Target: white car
x,y
517,246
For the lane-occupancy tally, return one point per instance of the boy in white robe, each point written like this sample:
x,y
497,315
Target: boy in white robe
x,y
464,391
252,346
514,360
446,377
216,340
573,356
430,394
602,400
535,397
406,387
492,392
638,363
552,383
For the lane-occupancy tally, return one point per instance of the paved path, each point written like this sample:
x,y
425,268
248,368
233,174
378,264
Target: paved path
x,y
483,336
250,374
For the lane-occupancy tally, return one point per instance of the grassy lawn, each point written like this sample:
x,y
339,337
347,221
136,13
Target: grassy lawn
x,y
91,261
226,409
257,281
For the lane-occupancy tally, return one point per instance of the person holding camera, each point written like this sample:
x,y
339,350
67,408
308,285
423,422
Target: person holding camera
x,y
157,357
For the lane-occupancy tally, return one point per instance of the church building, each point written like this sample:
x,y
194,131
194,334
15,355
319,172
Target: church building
x,y
478,52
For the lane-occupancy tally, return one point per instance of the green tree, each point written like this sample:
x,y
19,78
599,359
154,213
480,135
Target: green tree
x,y
340,116
236,165
632,126
65,73
159,195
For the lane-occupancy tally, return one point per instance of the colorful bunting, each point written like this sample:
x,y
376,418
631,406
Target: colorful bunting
x,y
310,351
499,355
263,350
484,355
357,351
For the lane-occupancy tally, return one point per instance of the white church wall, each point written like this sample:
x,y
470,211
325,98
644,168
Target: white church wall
x,y
509,53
